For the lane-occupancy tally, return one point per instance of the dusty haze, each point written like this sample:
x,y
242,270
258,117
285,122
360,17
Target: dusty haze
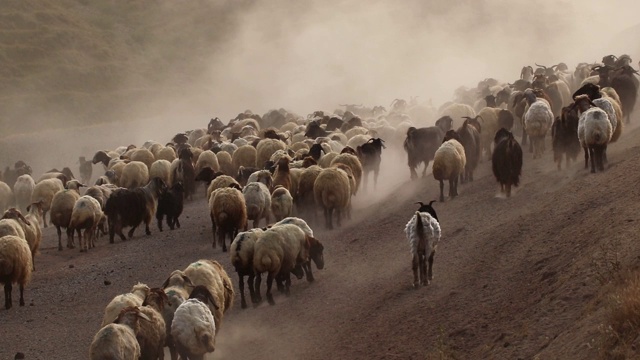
x,y
163,67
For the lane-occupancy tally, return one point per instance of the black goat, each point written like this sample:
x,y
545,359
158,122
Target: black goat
x,y
369,154
314,130
315,151
506,160
428,209
470,140
185,172
334,124
350,124
421,145
563,134
129,207
170,203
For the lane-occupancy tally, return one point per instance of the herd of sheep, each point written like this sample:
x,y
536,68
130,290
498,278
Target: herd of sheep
x,y
266,178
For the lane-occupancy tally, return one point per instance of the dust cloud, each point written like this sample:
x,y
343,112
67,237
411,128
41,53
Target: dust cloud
x,y
183,63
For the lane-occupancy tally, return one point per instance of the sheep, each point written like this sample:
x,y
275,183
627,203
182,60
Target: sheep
x,y
244,173
7,197
161,169
594,133
221,181
54,175
30,228
134,298
175,288
608,100
326,160
118,340
506,160
86,214
305,203
104,157
457,111
101,193
12,226
449,163
166,153
313,247
134,174
23,189
470,140
225,161
280,250
282,174
86,169
488,118
564,136
228,212
193,329
211,274
537,121
281,203
153,333
61,209
241,253
423,233
266,148
258,201
170,203
15,266
331,191
354,164
245,156
263,176
207,159
44,191
127,207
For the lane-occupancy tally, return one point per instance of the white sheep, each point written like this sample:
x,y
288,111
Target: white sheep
x,y
61,209
118,340
281,203
211,274
537,121
142,155
457,111
228,147
135,298
193,330
135,174
11,227
15,266
258,201
162,169
6,196
332,192
86,214
207,159
219,182
44,192
298,222
175,288
262,176
594,133
30,227
241,253
225,161
266,148
166,153
354,142
423,233
23,189
448,164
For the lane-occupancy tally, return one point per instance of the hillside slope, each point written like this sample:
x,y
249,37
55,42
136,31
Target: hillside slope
x,y
514,278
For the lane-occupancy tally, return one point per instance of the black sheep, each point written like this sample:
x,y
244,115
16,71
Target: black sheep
x,y
421,144
563,134
369,155
506,160
170,204
428,209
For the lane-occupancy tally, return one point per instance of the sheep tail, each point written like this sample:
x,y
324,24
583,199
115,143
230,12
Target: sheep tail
x,y
419,225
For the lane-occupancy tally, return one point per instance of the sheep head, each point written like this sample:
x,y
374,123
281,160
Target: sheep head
x,y
445,123
129,316
157,299
13,213
316,250
177,278
428,208
202,294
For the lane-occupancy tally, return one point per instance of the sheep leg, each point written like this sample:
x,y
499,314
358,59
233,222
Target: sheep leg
x,y
59,238
112,231
586,158
414,174
213,231
600,157
243,302
441,191
424,171
376,171
414,267
328,213
21,295
70,240
257,297
269,285
80,240
177,222
307,270
44,218
146,226
508,190
252,291
423,270
452,188
430,271
7,295
130,233
339,216
160,217
365,175
593,160
287,283
222,237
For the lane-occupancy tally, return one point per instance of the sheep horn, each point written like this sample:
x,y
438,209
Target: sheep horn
x,y
467,117
431,202
541,66
419,203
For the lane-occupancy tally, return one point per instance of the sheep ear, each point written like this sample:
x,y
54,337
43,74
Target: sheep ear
x,y
187,280
166,283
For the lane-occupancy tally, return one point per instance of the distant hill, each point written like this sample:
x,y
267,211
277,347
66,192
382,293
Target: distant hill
x,y
73,62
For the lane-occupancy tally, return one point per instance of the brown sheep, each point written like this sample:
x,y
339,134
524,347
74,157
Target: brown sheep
x,y
228,213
